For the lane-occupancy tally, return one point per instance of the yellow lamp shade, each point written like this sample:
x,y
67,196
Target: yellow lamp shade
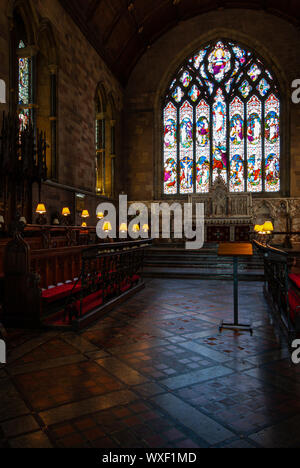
x,y
84,225
66,211
136,228
257,228
85,214
123,227
41,209
100,215
107,227
146,228
268,227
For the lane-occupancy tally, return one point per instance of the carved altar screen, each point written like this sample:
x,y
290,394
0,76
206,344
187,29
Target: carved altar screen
x,y
221,117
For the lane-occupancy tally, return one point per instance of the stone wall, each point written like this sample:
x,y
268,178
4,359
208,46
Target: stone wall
x,y
79,71
276,40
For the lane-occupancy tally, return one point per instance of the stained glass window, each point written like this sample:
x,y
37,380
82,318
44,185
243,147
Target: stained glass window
x,y
221,118
25,91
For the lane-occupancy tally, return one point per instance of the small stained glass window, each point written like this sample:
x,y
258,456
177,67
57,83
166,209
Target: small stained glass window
x,y
25,91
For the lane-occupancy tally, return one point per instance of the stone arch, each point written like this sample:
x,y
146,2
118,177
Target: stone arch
x,y
101,96
46,42
214,35
46,89
29,16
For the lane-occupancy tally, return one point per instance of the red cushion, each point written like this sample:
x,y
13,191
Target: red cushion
x,y
125,287
110,290
60,292
90,302
294,302
136,278
295,279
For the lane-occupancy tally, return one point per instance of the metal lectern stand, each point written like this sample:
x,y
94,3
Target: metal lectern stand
x,y
235,250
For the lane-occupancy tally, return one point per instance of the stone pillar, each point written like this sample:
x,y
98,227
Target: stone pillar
x,y
101,147
53,120
113,155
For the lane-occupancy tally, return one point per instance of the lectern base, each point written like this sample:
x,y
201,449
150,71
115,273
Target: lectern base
x,y
238,327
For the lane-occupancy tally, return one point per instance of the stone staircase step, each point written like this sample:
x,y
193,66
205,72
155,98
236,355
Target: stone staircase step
x,y
174,261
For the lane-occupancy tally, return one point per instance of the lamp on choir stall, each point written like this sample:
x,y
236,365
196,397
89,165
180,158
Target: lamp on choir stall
x,y
136,228
268,227
107,227
85,214
84,225
267,230
146,228
66,212
100,215
123,228
1,223
41,211
23,220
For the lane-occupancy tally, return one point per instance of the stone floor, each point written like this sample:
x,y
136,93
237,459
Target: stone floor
x,y
155,373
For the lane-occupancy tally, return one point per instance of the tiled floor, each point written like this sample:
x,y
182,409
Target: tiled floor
x,y
155,373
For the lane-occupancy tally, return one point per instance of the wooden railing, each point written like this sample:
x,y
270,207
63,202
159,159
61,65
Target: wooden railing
x,y
280,287
108,272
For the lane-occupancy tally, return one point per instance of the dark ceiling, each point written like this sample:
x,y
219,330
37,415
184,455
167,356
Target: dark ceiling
x,y
121,30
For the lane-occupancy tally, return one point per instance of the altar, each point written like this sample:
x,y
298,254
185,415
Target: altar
x,y
228,216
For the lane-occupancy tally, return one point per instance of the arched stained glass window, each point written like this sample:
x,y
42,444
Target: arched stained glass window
x,y
25,87
221,118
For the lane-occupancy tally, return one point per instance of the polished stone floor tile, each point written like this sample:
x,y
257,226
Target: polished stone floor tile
x,y
84,407
35,440
155,373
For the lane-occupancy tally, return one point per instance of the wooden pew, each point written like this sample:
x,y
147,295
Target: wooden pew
x,y
51,237
39,283
281,288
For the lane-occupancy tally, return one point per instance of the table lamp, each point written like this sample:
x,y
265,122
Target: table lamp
x,y
107,227
41,211
85,214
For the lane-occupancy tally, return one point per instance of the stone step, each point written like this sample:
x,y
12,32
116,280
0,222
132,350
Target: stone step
x,y
174,261
202,273
211,266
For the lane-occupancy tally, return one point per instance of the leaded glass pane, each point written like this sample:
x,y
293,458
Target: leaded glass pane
x,y
170,150
236,115
272,144
24,81
254,144
194,93
186,148
219,137
219,61
202,147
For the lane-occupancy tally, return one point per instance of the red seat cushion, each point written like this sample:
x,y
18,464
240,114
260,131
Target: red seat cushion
x,y
125,287
60,292
295,279
90,302
135,278
294,302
